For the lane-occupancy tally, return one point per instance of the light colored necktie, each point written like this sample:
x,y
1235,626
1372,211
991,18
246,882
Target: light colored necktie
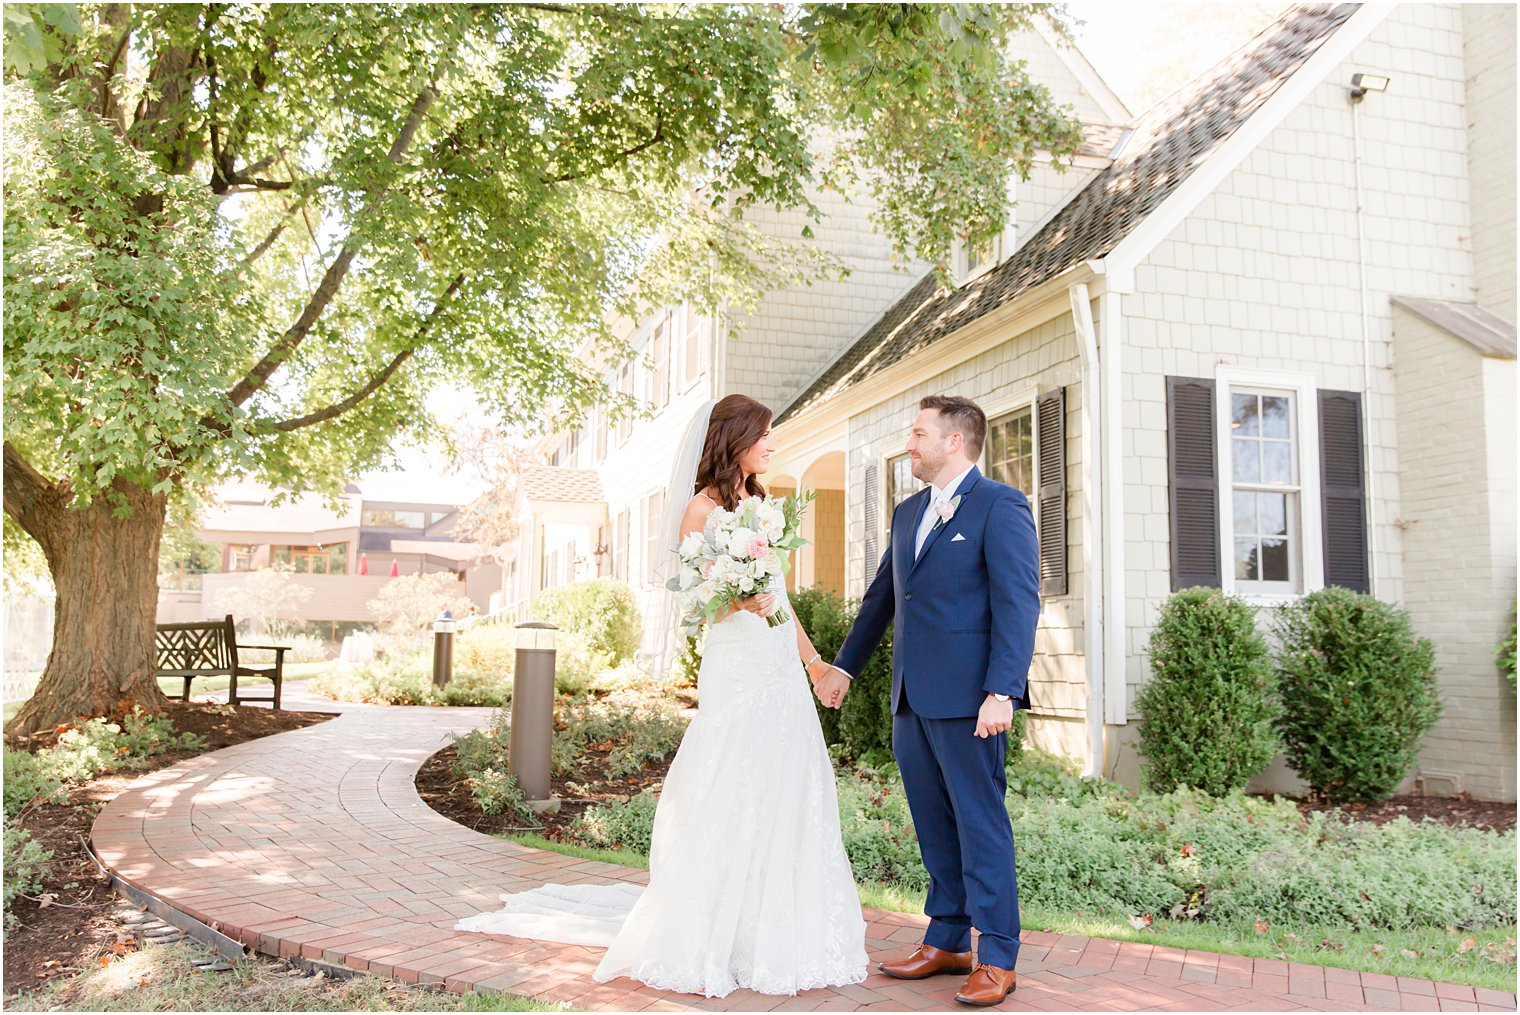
x,y
926,525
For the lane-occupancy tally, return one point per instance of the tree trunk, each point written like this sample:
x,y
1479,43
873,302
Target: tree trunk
x,y
105,571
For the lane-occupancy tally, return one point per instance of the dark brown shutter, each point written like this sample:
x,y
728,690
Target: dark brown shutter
x,y
872,496
1342,491
1050,436
1194,482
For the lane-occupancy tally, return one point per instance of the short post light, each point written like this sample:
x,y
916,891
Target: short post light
x,y
532,729
443,648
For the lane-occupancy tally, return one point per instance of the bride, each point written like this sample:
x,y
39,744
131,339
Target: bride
x,y
749,885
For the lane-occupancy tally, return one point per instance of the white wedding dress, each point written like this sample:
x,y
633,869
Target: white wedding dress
x,y
749,885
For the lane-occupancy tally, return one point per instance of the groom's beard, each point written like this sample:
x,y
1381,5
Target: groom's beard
x,y
927,468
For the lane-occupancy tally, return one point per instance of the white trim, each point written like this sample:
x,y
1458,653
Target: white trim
x,y
1092,531
1158,225
1111,460
1043,303
1311,569
1086,74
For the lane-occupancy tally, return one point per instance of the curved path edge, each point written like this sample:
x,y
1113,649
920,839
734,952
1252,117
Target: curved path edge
x,y
314,843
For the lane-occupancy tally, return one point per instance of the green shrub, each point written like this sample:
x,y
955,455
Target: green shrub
x,y
26,867
486,649
617,825
601,614
408,680
1359,691
1506,650
628,735
26,779
689,662
99,746
480,761
1210,705
878,832
862,727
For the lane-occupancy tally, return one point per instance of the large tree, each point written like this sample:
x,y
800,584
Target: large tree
x,y
250,238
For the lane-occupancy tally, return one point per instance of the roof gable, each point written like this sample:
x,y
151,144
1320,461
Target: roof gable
x,y
1169,142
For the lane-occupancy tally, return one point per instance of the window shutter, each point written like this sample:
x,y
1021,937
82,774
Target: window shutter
x,y
1342,490
1050,434
872,496
1193,481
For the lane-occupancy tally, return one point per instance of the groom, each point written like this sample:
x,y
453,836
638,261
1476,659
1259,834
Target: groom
x,y
960,581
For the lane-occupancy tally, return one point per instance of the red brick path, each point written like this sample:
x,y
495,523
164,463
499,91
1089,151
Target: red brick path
x,y
315,843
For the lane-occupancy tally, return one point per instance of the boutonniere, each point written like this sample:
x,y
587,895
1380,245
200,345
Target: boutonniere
x,y
947,510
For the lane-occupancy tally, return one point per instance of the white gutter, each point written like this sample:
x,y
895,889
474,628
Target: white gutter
x,y
1111,422
1092,532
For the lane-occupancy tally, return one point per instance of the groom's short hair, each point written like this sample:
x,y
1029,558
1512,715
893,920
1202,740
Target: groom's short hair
x,y
962,416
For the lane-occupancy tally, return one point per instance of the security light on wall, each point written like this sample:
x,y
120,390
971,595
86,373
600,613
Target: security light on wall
x,y
1361,84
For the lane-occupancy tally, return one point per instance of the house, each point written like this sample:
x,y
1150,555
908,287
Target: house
x,y
345,554
1263,340
598,515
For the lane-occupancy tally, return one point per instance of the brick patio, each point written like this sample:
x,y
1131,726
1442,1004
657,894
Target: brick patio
x,y
315,843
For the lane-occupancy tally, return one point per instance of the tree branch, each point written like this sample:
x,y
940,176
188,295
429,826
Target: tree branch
x,y
268,241
374,383
26,489
256,378
622,156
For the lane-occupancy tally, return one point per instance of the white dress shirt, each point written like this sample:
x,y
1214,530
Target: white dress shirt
x,y
937,496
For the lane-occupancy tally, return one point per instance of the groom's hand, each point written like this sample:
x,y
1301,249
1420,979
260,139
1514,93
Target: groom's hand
x,y
994,717
832,687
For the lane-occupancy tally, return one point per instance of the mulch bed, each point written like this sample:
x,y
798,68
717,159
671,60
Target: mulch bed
x,y
1448,810
446,793
79,926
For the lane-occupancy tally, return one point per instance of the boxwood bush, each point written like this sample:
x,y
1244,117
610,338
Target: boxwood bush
x,y
1210,705
1359,692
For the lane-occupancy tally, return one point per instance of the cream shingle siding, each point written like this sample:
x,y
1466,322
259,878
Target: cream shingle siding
x,y
1489,37
1264,275
797,332
1456,430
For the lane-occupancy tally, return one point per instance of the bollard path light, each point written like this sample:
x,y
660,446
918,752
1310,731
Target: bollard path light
x,y
443,648
532,730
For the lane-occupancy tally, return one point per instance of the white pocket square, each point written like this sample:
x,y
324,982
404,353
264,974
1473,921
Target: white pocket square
x,y
958,538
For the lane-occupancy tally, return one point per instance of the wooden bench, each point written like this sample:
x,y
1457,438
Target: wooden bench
x,y
209,648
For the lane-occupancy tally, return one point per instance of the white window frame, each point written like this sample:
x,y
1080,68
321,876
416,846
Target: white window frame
x,y
887,458
1309,524
1023,402
693,332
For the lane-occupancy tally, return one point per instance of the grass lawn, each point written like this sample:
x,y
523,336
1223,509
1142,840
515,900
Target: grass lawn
x,y
161,978
1424,954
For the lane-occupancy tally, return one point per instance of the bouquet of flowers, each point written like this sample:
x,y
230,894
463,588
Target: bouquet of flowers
x,y
736,555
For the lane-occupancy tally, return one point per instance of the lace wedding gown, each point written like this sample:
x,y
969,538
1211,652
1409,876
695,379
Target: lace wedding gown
x,y
749,885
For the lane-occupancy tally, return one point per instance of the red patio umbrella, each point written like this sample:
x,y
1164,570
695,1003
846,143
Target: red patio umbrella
x,y
364,563
395,569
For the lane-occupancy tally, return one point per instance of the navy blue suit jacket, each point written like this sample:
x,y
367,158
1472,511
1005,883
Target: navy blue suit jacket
x,y
964,613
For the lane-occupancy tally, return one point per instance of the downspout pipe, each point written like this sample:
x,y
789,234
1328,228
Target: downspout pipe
x,y
1366,308
1092,530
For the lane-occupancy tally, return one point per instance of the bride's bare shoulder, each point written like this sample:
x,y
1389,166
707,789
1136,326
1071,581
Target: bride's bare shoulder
x,y
697,510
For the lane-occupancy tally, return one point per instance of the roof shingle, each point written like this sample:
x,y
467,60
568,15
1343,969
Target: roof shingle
x,y
553,482
1169,142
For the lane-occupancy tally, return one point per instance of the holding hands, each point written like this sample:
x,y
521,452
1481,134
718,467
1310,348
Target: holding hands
x,y
830,684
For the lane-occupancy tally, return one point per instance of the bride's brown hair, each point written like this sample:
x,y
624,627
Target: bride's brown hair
x,y
736,425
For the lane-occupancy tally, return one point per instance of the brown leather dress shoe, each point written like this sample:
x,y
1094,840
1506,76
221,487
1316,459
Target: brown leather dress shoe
x,y
988,986
928,961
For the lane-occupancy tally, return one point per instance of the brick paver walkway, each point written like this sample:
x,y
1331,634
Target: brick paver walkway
x,y
315,843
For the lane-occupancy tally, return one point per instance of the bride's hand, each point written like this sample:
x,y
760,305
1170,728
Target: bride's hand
x,y
762,605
